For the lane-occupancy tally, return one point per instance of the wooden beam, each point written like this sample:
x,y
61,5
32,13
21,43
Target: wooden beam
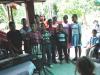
x,y
18,1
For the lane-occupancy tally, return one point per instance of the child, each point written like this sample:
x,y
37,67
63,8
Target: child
x,y
24,32
52,31
46,47
93,42
67,29
61,38
84,66
76,35
35,39
55,22
14,38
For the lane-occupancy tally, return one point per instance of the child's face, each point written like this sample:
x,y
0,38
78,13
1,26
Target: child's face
x,y
60,27
50,23
33,29
74,19
24,22
12,27
38,19
54,19
44,28
94,33
65,19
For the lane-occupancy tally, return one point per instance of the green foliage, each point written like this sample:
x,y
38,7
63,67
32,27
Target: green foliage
x,y
14,12
97,2
58,7
55,9
73,11
3,17
18,14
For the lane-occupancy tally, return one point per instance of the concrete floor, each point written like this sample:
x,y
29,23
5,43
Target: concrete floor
x,y
63,69
69,68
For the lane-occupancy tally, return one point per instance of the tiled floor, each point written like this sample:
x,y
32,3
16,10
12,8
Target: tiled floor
x,y
69,68
63,69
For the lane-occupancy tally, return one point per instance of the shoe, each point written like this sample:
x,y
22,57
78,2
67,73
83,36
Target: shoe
x,y
75,59
50,66
55,62
60,62
67,61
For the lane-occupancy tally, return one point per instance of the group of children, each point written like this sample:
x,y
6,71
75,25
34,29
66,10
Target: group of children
x,y
50,38
56,37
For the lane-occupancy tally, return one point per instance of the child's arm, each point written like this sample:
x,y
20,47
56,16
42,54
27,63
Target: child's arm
x,y
70,34
66,37
80,33
87,45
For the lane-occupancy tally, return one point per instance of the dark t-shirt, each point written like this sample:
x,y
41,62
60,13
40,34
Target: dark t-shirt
x,y
15,37
61,37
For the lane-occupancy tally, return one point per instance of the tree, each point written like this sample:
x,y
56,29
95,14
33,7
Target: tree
x,y
3,14
55,9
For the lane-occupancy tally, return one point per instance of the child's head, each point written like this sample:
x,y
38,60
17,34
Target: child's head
x,y
12,25
65,18
94,32
85,66
60,27
24,22
50,22
74,18
54,18
37,18
33,28
43,26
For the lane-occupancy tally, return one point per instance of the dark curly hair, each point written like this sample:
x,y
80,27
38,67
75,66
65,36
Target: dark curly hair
x,y
74,15
85,66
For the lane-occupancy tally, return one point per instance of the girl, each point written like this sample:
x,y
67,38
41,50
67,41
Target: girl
x,y
76,35
67,29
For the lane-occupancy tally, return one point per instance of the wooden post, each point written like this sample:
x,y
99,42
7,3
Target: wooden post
x,y
30,10
12,18
8,13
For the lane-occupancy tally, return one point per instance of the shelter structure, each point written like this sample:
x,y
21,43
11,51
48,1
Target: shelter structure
x,y
29,5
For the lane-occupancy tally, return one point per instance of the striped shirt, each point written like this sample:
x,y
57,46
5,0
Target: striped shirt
x,y
94,40
46,37
61,36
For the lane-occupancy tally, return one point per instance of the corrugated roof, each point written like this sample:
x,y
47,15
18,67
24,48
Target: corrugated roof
x,y
19,1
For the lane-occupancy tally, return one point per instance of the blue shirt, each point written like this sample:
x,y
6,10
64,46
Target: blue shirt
x,y
94,40
76,28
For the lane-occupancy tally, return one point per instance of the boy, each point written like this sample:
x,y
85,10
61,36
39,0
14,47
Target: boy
x,y
61,38
93,42
52,31
46,47
14,38
24,32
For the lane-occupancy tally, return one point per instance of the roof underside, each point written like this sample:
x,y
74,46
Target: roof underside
x,y
18,1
